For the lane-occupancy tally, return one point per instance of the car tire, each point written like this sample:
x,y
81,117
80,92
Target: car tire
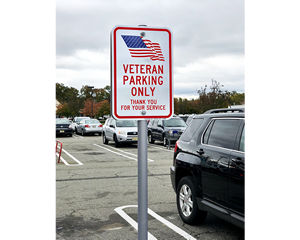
x,y
187,204
117,143
105,141
150,138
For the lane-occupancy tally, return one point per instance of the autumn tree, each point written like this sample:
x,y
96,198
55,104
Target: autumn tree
x,y
104,108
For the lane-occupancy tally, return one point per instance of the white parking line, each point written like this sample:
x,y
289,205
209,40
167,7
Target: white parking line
x,y
133,223
66,163
151,145
77,136
71,156
120,154
63,160
170,225
150,160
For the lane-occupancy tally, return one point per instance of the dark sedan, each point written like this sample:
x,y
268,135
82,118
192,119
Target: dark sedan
x,y
63,127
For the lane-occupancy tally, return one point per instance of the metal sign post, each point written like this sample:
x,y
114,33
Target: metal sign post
x,y
142,181
141,89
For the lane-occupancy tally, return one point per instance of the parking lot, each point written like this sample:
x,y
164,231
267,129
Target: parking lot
x,y
96,194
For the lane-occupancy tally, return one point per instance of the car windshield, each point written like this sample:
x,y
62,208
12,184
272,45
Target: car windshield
x,y
174,122
92,121
81,118
62,121
126,123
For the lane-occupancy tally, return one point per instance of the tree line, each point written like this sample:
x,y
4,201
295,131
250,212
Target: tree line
x,y
74,102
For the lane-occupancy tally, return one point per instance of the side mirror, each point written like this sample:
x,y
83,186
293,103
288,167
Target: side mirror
x,y
112,126
159,125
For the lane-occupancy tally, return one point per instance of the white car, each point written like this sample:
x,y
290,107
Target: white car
x,y
89,126
120,131
76,122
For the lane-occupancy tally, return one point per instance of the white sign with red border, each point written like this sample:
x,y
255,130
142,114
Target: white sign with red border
x,y
141,73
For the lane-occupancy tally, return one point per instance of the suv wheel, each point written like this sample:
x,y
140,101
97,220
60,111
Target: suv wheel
x,y
150,138
117,143
187,204
105,141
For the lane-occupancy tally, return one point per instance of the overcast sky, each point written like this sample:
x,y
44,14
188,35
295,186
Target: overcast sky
x,y
208,40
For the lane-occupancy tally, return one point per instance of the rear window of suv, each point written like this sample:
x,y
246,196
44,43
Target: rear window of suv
x,y
222,133
191,129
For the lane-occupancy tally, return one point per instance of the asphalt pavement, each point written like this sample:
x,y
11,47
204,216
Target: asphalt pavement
x,y
96,195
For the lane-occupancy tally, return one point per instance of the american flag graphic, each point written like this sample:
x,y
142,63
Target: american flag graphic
x,y
140,47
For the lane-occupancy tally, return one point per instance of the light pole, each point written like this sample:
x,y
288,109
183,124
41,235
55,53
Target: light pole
x,y
91,92
93,98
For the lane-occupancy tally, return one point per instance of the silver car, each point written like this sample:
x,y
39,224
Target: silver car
x,y
89,126
120,131
76,122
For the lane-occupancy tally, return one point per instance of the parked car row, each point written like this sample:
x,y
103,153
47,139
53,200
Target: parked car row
x,y
125,131
80,125
207,174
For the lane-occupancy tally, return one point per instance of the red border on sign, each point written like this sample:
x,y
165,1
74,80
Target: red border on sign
x,y
115,71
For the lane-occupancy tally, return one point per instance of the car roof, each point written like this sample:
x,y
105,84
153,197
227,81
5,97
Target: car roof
x,y
219,115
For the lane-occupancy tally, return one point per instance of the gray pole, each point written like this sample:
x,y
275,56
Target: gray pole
x,y
142,181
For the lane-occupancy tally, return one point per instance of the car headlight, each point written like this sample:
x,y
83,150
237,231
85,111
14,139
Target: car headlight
x,y
120,132
171,132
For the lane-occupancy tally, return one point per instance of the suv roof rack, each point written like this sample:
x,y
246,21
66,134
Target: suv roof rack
x,y
225,110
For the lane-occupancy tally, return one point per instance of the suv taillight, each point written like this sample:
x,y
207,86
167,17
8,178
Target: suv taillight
x,y
87,126
100,125
176,146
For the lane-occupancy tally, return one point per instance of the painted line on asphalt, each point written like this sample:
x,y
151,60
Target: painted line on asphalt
x,y
71,156
120,154
150,145
170,225
66,163
128,219
77,136
150,160
63,160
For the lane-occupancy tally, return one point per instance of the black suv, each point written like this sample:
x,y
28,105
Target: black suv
x,y
167,131
208,167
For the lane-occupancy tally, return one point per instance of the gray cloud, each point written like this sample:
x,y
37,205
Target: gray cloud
x,y
201,30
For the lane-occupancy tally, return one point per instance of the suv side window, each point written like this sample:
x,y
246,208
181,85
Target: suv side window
x,y
207,132
223,133
192,128
242,141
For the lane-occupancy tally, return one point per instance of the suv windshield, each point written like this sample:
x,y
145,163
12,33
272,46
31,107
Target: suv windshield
x,y
126,123
62,121
174,122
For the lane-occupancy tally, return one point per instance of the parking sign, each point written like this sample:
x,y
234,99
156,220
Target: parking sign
x,y
141,73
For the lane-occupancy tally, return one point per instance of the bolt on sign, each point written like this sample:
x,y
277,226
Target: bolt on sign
x,y
141,73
